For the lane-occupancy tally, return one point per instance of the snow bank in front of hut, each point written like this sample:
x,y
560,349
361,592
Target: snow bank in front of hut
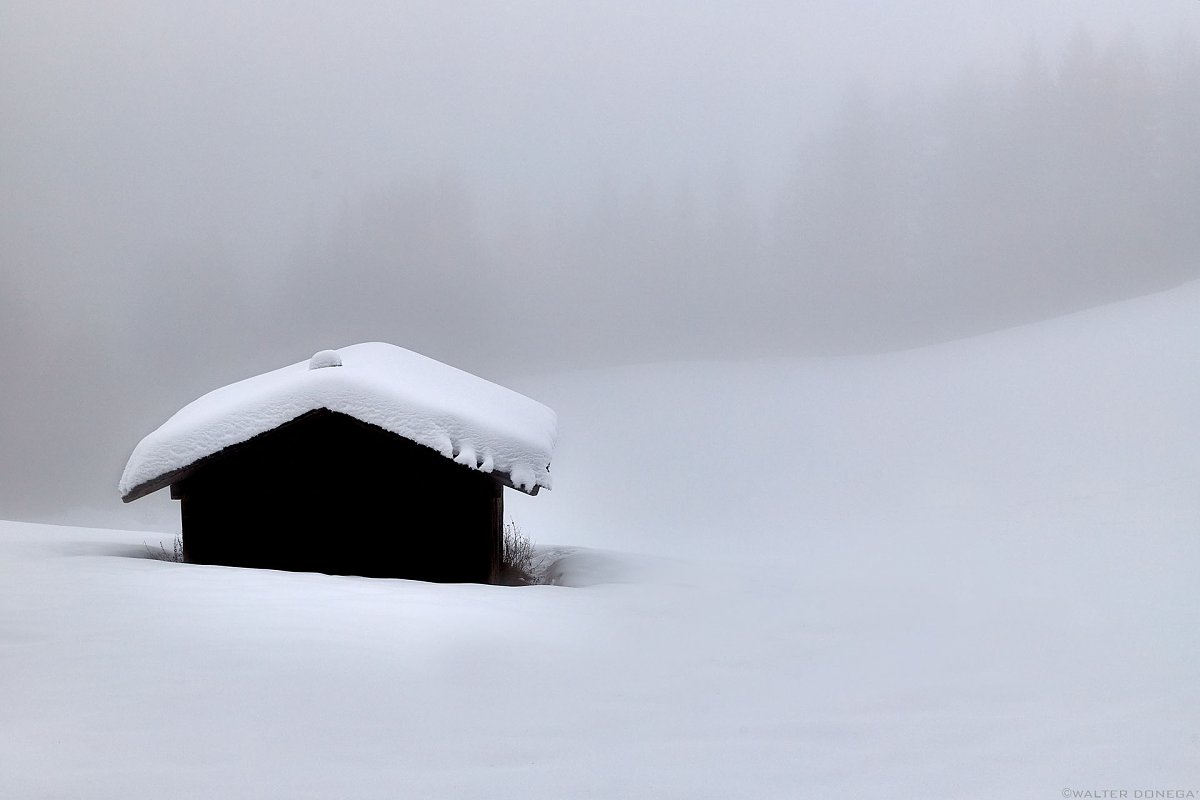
x,y
462,416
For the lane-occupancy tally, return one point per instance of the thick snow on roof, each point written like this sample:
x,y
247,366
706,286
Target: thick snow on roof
x,y
462,416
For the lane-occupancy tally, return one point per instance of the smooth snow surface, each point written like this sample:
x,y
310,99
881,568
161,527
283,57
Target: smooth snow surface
x,y
463,417
963,571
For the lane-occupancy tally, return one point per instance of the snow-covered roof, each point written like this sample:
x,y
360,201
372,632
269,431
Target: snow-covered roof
x,y
462,416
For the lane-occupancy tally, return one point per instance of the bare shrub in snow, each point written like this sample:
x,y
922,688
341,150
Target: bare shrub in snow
x,y
163,554
517,560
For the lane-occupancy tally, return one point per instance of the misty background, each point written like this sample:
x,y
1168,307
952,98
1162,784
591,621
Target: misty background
x,y
189,196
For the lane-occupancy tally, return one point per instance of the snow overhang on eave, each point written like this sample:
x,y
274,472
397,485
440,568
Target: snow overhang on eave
x,y
177,475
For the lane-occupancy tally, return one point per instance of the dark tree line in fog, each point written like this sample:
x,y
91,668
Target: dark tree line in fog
x,y
1000,201
995,201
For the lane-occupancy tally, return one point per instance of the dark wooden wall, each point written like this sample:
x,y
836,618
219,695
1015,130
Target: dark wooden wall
x,y
327,493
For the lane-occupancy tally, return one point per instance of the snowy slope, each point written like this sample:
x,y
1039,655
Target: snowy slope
x,y
1092,410
962,571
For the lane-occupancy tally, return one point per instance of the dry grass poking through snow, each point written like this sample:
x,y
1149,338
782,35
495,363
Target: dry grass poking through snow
x,y
161,553
517,566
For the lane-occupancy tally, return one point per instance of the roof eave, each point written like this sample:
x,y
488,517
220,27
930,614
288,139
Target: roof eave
x,y
169,478
163,481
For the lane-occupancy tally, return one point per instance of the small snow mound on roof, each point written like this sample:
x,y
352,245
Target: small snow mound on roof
x,y
325,358
425,401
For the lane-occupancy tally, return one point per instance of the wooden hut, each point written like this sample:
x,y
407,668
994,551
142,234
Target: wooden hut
x,y
371,460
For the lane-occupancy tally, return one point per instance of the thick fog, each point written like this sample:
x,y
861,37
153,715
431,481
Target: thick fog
x,y
191,195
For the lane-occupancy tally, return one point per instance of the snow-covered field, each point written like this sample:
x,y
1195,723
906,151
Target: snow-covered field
x,y
971,570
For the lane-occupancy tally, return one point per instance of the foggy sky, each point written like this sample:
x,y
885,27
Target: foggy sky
x,y
193,195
